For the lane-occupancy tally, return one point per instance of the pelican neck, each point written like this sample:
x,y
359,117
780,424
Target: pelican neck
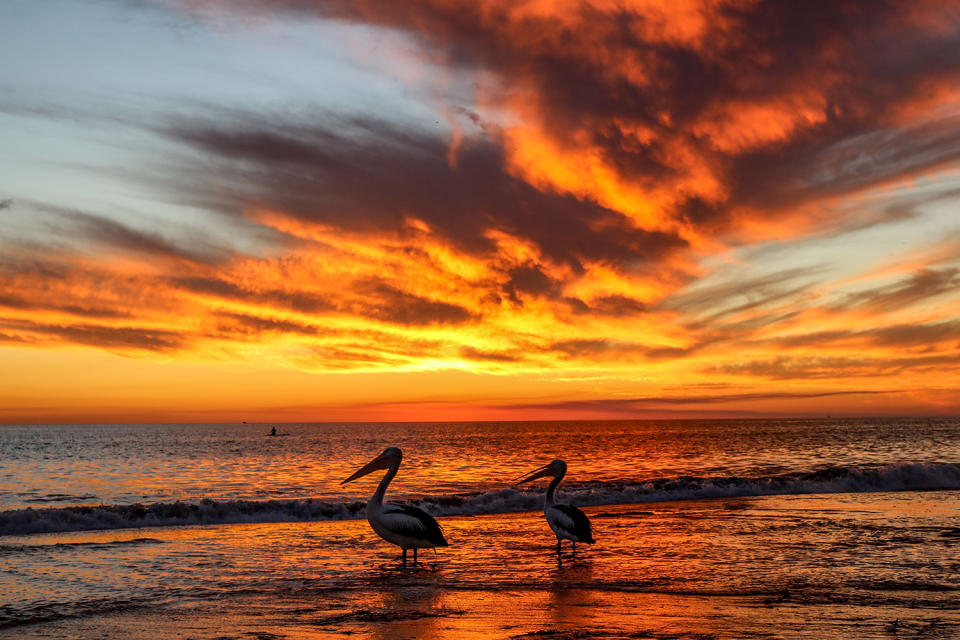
x,y
377,497
548,501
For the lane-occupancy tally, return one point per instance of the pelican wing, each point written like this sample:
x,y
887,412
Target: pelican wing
x,y
415,523
579,523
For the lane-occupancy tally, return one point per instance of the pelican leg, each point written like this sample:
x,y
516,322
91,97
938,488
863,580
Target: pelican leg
x,y
559,549
414,555
404,557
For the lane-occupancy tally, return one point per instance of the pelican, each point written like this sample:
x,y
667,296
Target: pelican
x,y
405,526
567,522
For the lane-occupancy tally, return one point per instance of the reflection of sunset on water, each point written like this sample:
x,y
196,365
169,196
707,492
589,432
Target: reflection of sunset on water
x,y
723,567
231,531
467,466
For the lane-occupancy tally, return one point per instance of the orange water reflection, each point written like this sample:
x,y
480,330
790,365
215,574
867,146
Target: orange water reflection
x,y
787,566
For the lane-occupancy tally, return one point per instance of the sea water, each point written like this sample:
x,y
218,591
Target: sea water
x,y
850,528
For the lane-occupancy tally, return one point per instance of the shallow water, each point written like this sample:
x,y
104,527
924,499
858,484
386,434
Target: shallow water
x,y
811,529
206,474
117,464
838,566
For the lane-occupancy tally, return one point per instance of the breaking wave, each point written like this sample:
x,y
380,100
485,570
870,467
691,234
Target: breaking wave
x,y
899,477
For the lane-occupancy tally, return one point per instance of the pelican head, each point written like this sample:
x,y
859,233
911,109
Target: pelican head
x,y
556,469
391,456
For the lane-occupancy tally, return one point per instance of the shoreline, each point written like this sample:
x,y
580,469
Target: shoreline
x,y
934,476
704,569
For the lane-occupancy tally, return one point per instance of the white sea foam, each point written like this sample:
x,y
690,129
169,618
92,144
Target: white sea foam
x,y
898,477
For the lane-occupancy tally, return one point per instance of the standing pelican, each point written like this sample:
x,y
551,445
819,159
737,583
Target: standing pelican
x,y
405,526
566,520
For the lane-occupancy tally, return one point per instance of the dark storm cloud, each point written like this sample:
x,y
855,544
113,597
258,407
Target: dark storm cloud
x,y
916,334
600,349
17,302
101,336
851,66
870,61
373,299
34,284
742,294
617,305
300,301
901,335
659,402
592,348
389,304
862,160
366,175
12,266
234,324
788,368
918,287
530,280
79,225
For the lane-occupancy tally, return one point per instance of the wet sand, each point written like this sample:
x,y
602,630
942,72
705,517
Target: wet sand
x,y
839,566
557,613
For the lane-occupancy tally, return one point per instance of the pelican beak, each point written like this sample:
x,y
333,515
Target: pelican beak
x,y
536,473
380,462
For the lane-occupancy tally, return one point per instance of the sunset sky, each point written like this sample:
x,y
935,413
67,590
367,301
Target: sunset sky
x,y
316,210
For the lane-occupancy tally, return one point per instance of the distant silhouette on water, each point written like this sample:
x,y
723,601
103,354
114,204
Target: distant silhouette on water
x,y
567,522
273,431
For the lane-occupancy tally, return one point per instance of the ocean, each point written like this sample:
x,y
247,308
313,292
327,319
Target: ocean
x,y
823,528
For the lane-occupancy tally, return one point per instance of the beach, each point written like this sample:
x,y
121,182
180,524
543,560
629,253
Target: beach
x,y
769,559
839,566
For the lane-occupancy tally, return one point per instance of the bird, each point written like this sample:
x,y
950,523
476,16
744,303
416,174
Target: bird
x,y
567,522
403,525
